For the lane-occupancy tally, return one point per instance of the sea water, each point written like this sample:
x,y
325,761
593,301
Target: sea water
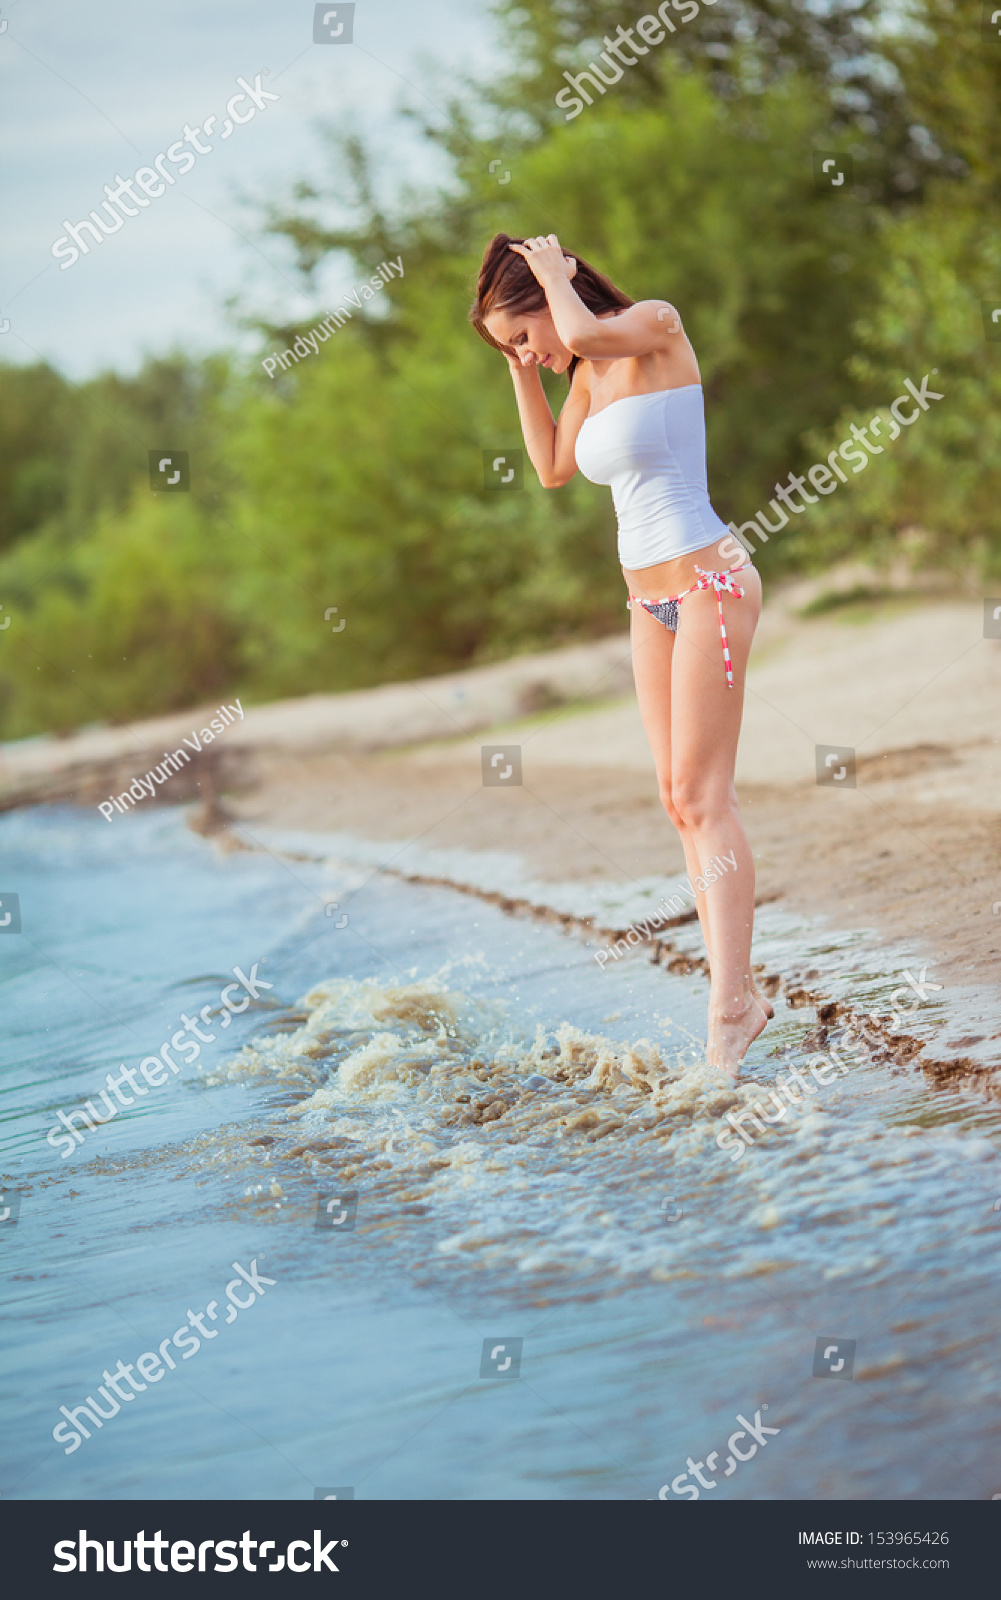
x,y
498,1249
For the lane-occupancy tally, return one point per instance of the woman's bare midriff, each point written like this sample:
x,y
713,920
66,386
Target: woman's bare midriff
x,y
669,578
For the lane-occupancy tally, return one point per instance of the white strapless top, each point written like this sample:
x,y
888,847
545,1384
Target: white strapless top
x,y
651,450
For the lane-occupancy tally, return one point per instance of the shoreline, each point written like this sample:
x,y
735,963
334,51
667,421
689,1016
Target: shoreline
x,y
908,857
808,986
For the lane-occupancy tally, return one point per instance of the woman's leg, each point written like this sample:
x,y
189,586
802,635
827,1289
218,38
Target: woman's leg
x,y
705,725
653,650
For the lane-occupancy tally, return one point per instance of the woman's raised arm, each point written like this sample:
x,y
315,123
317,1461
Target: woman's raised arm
x,y
550,444
640,330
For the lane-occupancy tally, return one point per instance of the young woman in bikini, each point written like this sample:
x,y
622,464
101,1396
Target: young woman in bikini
x,y
634,420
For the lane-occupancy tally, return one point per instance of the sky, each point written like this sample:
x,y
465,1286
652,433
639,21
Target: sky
x,y
92,92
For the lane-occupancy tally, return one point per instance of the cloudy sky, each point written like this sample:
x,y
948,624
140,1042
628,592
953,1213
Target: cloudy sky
x,y
91,92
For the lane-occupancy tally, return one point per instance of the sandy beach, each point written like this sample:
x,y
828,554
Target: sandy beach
x,y
911,852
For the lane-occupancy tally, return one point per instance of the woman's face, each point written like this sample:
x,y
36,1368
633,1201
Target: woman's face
x,y
532,336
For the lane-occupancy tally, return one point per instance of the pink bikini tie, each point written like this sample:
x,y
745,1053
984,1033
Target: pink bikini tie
x,y
723,583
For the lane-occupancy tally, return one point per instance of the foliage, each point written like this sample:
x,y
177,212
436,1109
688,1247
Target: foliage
x,y
355,479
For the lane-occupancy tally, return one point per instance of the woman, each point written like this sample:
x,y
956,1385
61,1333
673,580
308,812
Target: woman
x,y
634,419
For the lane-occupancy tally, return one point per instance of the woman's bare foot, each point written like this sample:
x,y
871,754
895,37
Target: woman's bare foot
x,y
731,1033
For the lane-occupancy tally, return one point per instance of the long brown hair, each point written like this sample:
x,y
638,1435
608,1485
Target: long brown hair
x,y
507,283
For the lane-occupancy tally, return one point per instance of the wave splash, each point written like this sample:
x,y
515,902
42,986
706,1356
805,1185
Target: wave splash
x,y
546,1150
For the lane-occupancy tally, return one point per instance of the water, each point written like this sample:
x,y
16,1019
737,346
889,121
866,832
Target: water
x,y
521,1147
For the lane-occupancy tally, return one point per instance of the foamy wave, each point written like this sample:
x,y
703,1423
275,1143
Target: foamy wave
x,y
485,1151
451,1063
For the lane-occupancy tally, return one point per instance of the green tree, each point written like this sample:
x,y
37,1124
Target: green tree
x,y
135,621
355,479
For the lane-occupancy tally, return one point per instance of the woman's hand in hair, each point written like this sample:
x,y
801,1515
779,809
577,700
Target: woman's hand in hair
x,y
546,259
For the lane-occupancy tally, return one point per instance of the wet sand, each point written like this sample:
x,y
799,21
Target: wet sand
x,y
912,851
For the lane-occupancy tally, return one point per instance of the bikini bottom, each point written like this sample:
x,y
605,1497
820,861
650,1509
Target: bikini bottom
x,y
666,611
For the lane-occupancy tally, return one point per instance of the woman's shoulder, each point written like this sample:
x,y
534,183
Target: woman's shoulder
x,y
663,313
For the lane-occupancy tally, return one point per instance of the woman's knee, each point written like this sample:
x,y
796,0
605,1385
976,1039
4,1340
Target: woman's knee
x,y
698,803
